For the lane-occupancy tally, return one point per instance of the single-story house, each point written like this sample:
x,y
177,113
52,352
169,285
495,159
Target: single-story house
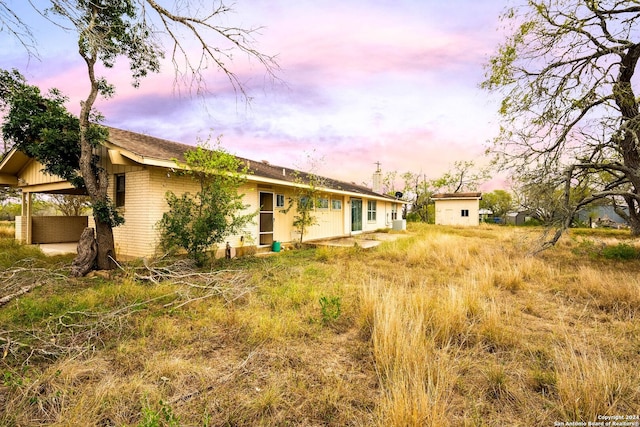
x,y
142,169
457,208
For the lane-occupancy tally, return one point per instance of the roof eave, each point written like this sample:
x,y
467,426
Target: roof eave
x,y
284,183
119,155
13,163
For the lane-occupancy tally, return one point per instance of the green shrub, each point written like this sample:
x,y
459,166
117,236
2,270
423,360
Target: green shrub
x,y
198,223
621,251
330,307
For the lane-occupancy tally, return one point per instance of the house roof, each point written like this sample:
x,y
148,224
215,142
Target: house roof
x,y
11,166
152,151
457,196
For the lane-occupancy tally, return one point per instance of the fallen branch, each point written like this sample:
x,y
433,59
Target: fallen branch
x,y
18,280
78,332
228,284
65,336
6,299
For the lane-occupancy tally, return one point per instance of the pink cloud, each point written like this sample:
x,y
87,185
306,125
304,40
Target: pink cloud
x,y
364,81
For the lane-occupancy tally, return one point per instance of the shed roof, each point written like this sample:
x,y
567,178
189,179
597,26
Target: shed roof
x,y
457,196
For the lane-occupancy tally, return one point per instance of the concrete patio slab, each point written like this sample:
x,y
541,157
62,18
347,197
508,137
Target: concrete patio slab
x,y
367,240
52,249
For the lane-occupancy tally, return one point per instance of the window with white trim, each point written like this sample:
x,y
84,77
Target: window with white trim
x,y
371,210
323,203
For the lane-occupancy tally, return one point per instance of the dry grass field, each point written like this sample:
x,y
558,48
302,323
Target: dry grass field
x,y
7,229
446,327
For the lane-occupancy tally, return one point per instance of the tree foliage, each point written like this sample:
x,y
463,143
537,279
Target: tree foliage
x,y
198,222
40,126
569,111
497,201
70,204
417,190
306,197
140,31
462,177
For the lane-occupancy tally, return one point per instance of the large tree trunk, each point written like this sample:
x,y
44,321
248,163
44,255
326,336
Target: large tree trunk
x,y
95,178
105,259
87,251
633,217
626,101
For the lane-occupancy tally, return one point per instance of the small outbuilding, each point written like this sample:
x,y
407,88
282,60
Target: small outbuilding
x,y
516,218
457,208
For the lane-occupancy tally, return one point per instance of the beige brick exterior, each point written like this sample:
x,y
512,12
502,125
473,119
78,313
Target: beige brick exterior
x,y
144,205
57,229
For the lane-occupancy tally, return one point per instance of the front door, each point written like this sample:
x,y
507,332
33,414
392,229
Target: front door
x,y
356,214
266,218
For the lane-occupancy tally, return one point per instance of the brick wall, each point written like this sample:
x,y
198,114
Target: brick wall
x,y
57,229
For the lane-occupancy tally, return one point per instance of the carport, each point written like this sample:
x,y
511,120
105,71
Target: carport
x,y
18,170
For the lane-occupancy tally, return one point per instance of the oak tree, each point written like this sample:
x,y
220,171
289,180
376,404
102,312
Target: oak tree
x,y
141,32
569,113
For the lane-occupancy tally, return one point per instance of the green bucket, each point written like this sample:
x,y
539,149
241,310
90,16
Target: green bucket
x,y
275,246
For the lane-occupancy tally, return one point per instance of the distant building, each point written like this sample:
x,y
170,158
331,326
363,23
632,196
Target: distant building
x,y
604,215
516,218
485,214
457,208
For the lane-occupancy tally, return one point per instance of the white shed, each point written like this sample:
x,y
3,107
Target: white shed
x,y
457,208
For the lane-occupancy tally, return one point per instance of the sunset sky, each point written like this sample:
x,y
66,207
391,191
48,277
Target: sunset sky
x,y
361,81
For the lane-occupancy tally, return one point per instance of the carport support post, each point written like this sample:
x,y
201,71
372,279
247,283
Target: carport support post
x,y
26,217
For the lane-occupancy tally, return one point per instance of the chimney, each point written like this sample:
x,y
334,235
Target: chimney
x,y
377,179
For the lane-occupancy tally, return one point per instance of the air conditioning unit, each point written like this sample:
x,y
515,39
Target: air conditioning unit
x,y
399,225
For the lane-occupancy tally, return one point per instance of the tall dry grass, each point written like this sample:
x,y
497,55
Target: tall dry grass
x,y
478,331
7,229
412,358
446,326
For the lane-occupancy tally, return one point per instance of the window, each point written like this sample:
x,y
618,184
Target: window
x,y
464,212
394,212
305,202
323,203
120,187
336,204
371,210
279,200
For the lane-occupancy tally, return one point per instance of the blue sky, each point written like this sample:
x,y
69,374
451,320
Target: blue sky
x,y
361,81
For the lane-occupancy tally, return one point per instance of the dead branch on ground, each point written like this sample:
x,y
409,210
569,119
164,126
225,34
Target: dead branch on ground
x,y
24,277
78,332
227,284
